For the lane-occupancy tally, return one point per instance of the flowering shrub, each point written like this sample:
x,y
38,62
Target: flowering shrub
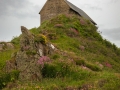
x,y
43,60
41,38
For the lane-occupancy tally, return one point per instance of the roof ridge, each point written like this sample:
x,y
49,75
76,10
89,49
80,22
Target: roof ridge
x,y
79,11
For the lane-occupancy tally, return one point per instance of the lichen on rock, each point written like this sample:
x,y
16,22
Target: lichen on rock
x,y
26,59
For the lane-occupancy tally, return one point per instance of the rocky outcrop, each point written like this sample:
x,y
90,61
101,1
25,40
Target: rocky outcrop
x,y
6,46
32,48
10,46
28,66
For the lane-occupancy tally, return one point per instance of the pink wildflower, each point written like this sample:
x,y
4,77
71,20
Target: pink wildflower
x,y
43,60
108,65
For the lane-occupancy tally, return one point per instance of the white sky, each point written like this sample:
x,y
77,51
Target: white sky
x,y
14,13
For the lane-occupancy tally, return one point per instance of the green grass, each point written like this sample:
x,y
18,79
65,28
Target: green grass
x,y
4,56
8,77
65,70
99,81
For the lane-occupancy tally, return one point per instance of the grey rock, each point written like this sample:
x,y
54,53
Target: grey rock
x,y
26,59
6,46
9,46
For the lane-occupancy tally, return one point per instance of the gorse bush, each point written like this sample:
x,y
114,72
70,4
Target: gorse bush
x,y
40,38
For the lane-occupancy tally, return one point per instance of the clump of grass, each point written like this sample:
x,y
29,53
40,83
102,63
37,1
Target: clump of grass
x,y
35,30
93,67
8,77
4,56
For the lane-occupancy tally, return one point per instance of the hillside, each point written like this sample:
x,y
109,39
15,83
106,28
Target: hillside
x,y
82,59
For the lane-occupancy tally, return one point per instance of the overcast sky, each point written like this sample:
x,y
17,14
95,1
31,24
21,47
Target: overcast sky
x,y
14,13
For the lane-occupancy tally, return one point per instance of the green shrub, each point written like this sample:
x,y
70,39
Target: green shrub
x,y
64,70
49,70
15,40
55,70
8,77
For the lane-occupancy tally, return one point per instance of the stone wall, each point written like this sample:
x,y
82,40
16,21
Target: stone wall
x,y
53,8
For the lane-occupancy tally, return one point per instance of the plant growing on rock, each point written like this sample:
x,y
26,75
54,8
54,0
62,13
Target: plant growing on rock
x,y
40,38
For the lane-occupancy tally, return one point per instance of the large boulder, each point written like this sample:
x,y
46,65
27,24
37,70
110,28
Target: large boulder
x,y
28,66
32,48
27,57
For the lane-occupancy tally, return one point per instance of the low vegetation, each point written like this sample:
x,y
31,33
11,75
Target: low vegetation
x,y
83,59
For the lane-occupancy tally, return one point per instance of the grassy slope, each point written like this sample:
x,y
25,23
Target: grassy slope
x,y
68,34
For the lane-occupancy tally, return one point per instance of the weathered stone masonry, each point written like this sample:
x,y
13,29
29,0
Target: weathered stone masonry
x,y
53,8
